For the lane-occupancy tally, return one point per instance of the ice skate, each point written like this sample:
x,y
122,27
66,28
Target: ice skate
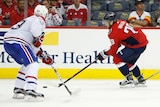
x,y
18,93
140,81
32,96
128,82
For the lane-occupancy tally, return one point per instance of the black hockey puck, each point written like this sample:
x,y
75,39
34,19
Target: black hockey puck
x,y
44,86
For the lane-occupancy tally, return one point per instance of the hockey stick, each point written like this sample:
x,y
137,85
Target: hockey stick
x,y
60,84
152,75
59,77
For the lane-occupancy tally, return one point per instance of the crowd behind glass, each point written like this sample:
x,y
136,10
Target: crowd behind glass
x,y
77,12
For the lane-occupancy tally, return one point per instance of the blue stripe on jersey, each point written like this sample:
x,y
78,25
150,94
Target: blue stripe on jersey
x,y
31,82
21,78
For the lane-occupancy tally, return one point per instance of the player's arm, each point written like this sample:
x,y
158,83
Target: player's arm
x,y
140,22
37,29
37,40
45,57
134,25
109,51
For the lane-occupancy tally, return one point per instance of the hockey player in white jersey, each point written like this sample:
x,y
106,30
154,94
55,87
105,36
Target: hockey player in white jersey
x,y
23,42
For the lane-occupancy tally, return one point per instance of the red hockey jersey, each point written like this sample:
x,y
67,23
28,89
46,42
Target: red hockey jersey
x,y
121,33
77,14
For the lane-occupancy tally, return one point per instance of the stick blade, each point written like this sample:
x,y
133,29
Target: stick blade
x,y
76,92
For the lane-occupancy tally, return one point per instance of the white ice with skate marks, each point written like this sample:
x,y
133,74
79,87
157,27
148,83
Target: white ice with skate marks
x,y
94,93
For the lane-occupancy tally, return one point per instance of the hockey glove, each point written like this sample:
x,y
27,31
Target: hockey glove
x,y
102,55
45,57
38,40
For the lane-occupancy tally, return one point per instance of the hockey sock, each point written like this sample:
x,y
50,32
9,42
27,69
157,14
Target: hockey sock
x,y
20,80
136,71
124,69
31,76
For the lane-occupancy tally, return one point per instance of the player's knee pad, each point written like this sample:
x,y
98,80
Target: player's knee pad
x,y
32,69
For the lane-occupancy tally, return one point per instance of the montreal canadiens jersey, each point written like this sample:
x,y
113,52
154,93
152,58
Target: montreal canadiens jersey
x,y
24,31
121,33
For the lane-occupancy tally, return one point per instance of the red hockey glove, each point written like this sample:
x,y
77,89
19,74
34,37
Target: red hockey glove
x,y
38,40
102,55
45,57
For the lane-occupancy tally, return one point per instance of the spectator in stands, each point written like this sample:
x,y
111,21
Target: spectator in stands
x,y
140,18
57,5
7,7
32,4
1,17
18,14
53,19
69,2
158,22
14,1
78,12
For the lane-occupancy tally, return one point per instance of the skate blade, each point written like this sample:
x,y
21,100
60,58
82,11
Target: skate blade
x,y
140,85
29,98
127,86
76,92
18,96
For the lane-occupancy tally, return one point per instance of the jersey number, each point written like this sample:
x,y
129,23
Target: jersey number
x,y
18,25
129,28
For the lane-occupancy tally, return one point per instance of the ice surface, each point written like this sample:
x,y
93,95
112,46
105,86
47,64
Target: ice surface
x,y
94,93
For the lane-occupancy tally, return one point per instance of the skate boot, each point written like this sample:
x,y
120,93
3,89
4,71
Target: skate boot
x,y
128,82
140,81
33,96
18,93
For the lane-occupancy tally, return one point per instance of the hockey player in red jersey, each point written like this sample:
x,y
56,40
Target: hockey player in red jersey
x,y
134,41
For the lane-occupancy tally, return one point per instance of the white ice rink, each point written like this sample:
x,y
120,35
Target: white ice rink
x,y
94,93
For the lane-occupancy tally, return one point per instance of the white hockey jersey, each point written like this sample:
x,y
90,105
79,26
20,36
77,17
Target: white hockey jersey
x,y
24,31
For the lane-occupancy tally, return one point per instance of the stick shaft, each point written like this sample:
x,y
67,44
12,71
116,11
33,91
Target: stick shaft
x,y
59,77
152,75
77,73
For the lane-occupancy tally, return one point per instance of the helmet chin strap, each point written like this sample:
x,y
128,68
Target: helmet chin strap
x,y
110,23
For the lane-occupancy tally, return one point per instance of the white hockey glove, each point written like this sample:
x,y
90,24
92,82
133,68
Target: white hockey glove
x,y
46,58
38,40
102,55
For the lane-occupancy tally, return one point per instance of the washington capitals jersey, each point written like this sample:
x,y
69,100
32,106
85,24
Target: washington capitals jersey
x,y
77,14
121,33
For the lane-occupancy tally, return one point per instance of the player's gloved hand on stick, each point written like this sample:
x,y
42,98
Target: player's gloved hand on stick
x,y
102,55
38,40
46,58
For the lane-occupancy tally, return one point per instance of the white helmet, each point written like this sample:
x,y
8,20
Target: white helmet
x,y
41,10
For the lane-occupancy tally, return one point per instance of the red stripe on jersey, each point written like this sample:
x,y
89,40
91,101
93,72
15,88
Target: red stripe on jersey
x,y
21,73
27,53
31,77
